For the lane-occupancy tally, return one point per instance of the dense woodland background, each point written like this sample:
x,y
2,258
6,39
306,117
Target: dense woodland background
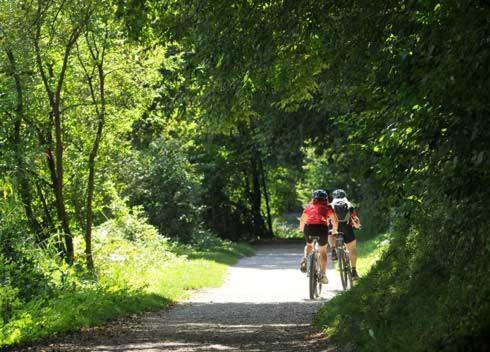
x,y
204,118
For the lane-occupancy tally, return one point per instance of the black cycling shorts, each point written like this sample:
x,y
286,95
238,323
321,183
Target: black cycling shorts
x,y
348,231
316,230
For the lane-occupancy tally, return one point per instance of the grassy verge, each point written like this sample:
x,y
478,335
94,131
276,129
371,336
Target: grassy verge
x,y
131,277
369,252
407,302
328,319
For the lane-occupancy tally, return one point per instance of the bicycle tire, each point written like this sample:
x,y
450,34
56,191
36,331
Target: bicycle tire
x,y
318,275
312,276
341,261
348,272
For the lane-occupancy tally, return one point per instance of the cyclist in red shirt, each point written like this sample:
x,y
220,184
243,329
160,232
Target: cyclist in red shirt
x,y
314,222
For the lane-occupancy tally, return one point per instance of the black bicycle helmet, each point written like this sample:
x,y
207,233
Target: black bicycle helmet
x,y
339,193
320,194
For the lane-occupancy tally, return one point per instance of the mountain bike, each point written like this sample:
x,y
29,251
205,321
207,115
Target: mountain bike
x,y
344,262
313,270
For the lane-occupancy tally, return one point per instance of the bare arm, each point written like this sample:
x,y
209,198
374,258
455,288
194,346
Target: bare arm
x,y
335,224
356,223
302,223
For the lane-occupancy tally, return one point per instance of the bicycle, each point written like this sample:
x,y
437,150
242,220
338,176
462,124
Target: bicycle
x,y
313,270
344,262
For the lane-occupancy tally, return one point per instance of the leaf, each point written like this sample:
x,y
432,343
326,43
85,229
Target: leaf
x,y
371,333
479,158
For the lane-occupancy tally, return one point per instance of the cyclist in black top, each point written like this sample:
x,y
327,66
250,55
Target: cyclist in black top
x,y
347,220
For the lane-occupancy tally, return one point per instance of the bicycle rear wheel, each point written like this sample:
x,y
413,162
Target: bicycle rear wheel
x,y
348,271
341,261
313,276
318,276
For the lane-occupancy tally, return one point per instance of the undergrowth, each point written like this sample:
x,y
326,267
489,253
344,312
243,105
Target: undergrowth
x,y
137,270
409,303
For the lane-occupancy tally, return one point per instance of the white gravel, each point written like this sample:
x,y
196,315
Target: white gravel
x,y
271,276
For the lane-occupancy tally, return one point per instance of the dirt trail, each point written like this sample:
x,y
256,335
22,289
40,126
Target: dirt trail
x,y
263,306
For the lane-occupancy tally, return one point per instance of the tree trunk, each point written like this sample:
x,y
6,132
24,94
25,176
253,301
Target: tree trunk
x,y
54,98
90,213
47,142
256,200
266,196
91,175
60,202
24,187
98,59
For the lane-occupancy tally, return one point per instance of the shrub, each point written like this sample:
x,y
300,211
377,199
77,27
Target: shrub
x,y
130,224
18,264
164,182
287,227
9,301
206,239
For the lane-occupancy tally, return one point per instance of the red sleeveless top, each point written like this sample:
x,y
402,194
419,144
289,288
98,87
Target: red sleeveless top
x,y
317,213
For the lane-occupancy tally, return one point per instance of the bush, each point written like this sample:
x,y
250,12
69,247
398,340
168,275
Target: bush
x,y
18,264
163,181
206,239
287,227
414,300
130,224
9,301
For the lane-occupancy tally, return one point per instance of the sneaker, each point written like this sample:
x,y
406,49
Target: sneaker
x,y
334,254
302,265
355,276
324,279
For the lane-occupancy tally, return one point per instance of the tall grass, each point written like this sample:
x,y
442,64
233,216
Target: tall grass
x,y
335,314
405,303
370,251
131,277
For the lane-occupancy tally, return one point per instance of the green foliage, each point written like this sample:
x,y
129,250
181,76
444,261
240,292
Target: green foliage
x,y
204,239
163,181
253,102
334,169
399,92
138,274
18,267
409,302
287,226
283,194
9,301
130,225
370,250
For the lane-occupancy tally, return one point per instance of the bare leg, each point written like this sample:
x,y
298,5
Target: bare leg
x,y
323,258
308,249
351,247
332,240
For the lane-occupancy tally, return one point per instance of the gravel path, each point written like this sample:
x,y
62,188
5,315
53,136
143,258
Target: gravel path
x,y
262,306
